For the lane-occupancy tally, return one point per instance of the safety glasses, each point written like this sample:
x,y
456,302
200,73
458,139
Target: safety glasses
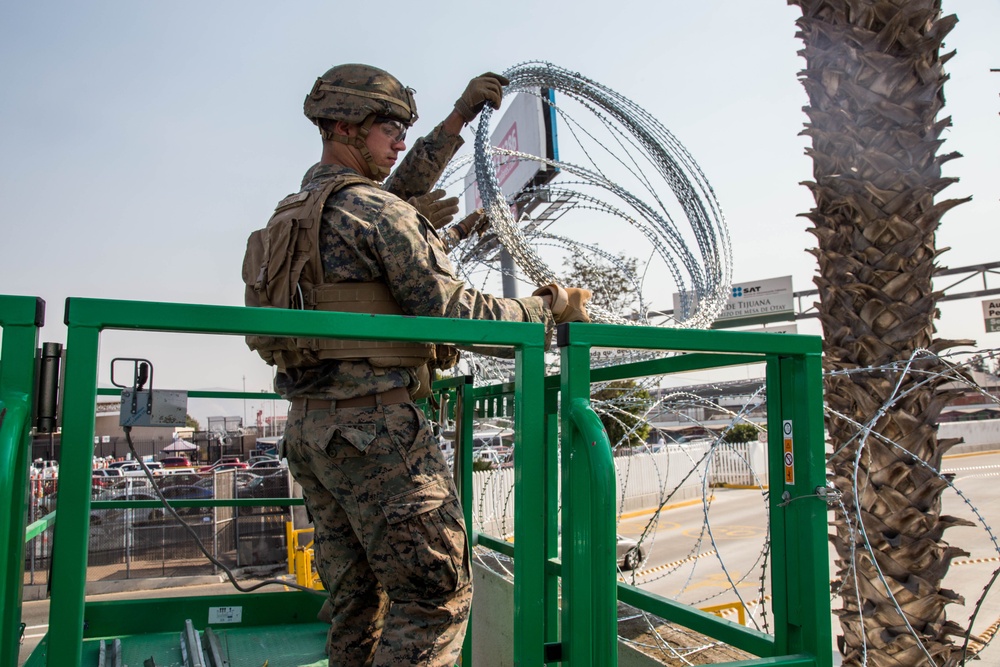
x,y
392,128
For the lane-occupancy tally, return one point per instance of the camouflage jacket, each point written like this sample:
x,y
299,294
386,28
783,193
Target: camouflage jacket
x,y
369,234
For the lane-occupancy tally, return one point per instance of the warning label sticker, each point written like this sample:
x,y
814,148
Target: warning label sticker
x,y
225,615
786,437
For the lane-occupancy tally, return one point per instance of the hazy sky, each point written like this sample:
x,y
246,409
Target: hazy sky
x,y
142,142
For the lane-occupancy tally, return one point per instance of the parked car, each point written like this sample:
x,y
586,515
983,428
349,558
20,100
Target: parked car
x,y
175,462
219,466
266,486
135,468
257,459
138,515
44,469
233,477
630,555
179,477
266,465
127,483
105,477
186,492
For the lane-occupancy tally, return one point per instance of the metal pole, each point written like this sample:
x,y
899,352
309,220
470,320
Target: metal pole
x,y
508,269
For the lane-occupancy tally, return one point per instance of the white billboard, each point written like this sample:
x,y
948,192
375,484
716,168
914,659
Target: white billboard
x,y
754,299
521,129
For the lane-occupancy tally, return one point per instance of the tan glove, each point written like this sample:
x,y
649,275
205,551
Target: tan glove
x,y
455,234
568,304
445,356
435,208
484,88
477,221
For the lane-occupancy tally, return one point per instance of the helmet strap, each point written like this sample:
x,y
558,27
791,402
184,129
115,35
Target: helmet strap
x,y
377,173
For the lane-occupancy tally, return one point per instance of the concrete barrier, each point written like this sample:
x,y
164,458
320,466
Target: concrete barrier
x,y
980,435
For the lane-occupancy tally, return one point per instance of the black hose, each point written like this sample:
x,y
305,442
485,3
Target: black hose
x,y
201,546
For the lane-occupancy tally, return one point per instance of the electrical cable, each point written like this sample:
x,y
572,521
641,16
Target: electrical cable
x,y
194,535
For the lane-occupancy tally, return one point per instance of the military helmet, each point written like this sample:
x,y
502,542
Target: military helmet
x,y
352,93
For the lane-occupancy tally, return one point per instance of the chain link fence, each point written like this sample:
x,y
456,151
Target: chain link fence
x,y
148,542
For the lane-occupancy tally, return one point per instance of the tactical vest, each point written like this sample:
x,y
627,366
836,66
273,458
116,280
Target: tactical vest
x,y
282,268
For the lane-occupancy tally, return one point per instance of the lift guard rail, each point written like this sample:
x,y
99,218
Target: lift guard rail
x,y
800,567
588,636
20,318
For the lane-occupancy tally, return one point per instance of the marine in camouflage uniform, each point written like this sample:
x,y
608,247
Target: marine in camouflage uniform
x,y
390,537
420,169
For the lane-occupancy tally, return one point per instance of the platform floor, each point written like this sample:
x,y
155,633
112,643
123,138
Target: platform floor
x,y
298,645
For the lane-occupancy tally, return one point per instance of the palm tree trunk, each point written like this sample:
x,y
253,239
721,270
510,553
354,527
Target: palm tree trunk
x,y
874,75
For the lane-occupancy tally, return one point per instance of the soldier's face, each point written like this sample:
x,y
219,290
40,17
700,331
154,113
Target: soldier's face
x,y
386,142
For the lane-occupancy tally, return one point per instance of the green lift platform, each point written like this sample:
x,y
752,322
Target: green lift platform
x,y
572,624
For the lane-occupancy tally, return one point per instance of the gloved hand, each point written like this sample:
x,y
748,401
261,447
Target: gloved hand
x,y
445,356
475,221
484,88
437,210
568,304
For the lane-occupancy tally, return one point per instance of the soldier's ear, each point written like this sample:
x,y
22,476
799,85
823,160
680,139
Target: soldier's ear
x,y
343,128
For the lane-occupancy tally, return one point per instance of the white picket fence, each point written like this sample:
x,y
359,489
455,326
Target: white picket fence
x,y
644,480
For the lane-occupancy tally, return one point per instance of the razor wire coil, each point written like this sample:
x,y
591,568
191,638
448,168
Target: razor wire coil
x,y
698,257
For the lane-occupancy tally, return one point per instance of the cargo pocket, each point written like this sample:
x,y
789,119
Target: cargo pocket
x,y
348,439
404,425
425,538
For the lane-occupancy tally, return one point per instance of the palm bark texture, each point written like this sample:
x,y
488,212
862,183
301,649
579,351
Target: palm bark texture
x,y
874,76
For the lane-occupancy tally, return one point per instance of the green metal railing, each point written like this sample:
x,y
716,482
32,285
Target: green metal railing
x,y
797,509
87,318
20,317
580,628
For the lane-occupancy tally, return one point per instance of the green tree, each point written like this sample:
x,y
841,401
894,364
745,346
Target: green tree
x,y
622,405
191,422
611,281
740,433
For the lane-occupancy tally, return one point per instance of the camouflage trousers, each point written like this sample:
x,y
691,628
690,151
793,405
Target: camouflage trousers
x,y
390,536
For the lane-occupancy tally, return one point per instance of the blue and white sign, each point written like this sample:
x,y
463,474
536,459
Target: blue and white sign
x,y
754,299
